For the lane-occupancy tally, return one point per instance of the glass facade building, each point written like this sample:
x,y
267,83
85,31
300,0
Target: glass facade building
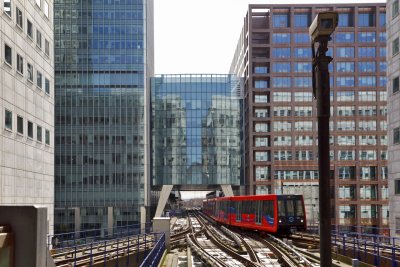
x,y
196,131
103,56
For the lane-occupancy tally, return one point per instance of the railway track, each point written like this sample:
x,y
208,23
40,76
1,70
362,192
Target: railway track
x,y
101,251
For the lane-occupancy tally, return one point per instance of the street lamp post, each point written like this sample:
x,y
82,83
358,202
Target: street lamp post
x,y
320,31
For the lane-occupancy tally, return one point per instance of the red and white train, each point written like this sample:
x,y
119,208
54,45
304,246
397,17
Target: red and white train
x,y
268,213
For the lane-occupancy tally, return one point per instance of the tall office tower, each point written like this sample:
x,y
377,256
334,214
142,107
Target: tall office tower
x,y
274,56
27,105
103,58
393,74
196,133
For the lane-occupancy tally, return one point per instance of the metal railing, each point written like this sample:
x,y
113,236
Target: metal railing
x,y
154,257
71,239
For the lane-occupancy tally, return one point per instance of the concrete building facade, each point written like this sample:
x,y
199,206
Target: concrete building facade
x,y
27,104
274,57
104,58
393,74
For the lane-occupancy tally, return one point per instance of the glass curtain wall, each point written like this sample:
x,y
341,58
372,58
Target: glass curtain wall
x,y
100,54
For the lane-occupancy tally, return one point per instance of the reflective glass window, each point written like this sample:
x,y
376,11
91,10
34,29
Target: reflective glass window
x,y
368,66
382,19
280,20
367,81
366,52
345,66
301,20
345,96
281,82
282,141
302,38
367,37
8,119
281,96
346,20
302,67
366,19
366,96
302,52
345,81
281,52
281,67
395,46
345,52
282,111
281,37
344,37
302,82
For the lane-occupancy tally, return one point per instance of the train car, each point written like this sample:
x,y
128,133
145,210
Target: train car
x,y
268,213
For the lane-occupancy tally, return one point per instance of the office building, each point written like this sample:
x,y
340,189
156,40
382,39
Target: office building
x,y
27,105
280,132
103,61
196,134
393,74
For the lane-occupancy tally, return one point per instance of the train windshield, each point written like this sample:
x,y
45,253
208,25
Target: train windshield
x,y
290,207
299,208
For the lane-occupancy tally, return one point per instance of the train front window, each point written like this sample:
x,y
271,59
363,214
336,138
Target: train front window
x,y
281,208
299,208
290,207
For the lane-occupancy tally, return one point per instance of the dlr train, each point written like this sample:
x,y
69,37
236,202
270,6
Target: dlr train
x,y
278,214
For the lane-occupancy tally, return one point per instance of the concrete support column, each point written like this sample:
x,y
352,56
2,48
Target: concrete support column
x,y
110,220
227,189
165,192
143,219
162,225
77,221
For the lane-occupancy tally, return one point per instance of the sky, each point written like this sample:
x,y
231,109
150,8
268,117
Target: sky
x,y
200,36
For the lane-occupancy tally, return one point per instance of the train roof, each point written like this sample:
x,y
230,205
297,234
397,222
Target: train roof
x,y
255,197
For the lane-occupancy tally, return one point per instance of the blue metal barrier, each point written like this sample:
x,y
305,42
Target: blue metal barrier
x,y
71,239
113,249
154,257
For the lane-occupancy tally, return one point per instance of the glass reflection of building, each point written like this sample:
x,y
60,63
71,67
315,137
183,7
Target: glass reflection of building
x,y
196,131
101,65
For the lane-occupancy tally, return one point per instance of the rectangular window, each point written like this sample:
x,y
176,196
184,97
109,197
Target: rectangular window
x,y
29,28
20,64
301,20
47,86
30,129
19,18
395,46
396,135
30,72
38,39
281,38
7,7
47,137
7,54
8,119
395,8
395,85
46,47
344,37
346,20
367,37
366,19
39,133
397,187
301,38
281,52
20,125
366,52
46,9
39,79
347,52
280,20
368,66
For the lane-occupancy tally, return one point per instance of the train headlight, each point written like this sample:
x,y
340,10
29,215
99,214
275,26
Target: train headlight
x,y
301,220
280,221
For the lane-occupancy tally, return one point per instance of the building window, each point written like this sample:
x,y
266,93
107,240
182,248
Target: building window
x,y
366,19
280,20
7,54
395,47
302,52
39,133
260,70
30,72
39,79
301,38
7,7
382,19
281,52
38,39
260,99
395,85
280,67
30,129
46,9
368,66
19,18
29,28
301,20
397,187
367,81
46,47
8,119
395,10
20,125
396,135
344,37
366,52
281,37
281,82
20,64
260,84
347,52
47,137
47,86
346,20
382,51
367,37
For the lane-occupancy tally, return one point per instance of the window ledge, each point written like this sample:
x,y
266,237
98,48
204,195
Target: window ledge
x,y
20,28
8,129
20,73
8,64
30,81
9,16
20,134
